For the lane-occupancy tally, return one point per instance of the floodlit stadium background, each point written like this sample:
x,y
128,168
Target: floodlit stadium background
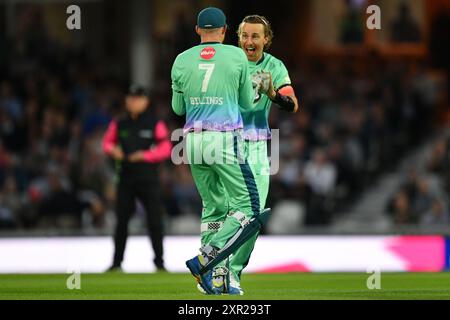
x,y
374,119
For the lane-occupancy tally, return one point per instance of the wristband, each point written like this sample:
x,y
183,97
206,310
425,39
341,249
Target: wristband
x,y
285,103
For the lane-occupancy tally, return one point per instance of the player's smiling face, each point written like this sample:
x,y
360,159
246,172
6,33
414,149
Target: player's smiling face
x,y
252,40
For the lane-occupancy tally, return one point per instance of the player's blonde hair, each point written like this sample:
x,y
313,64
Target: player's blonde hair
x,y
256,19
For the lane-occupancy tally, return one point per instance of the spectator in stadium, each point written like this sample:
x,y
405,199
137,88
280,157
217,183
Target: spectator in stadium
x,y
292,161
438,214
10,203
419,199
185,191
320,174
9,101
438,161
404,27
423,199
138,141
59,207
401,209
350,28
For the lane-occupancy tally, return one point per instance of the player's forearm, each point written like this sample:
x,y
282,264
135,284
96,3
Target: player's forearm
x,y
285,99
178,105
285,103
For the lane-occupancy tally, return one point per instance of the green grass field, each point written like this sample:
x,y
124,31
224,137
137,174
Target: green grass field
x,y
177,286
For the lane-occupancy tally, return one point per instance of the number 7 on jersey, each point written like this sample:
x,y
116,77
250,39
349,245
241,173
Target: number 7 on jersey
x,y
209,67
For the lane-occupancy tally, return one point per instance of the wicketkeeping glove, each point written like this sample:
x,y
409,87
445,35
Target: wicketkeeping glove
x,y
265,79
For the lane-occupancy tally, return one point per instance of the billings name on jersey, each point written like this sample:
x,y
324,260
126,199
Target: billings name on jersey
x,y
197,101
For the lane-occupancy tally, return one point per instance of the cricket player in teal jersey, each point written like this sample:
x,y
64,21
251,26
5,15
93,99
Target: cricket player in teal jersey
x,y
212,86
255,36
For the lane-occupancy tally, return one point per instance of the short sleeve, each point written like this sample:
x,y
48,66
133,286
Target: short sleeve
x,y
280,77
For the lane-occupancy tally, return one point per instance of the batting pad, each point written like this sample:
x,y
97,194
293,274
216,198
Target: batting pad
x,y
241,236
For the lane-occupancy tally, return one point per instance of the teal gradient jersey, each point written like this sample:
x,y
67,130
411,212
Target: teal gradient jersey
x,y
213,83
256,121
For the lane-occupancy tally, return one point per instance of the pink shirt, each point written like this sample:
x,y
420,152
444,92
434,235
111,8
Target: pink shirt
x,y
157,154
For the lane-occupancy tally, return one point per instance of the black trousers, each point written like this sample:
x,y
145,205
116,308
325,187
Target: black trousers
x,y
147,191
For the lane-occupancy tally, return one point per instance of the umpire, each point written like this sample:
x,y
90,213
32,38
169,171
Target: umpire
x,y
137,142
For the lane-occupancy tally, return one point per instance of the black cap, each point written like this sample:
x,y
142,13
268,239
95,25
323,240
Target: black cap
x,y
137,90
211,18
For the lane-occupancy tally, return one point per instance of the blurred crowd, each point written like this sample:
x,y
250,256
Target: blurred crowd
x,y
423,196
355,123
54,107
